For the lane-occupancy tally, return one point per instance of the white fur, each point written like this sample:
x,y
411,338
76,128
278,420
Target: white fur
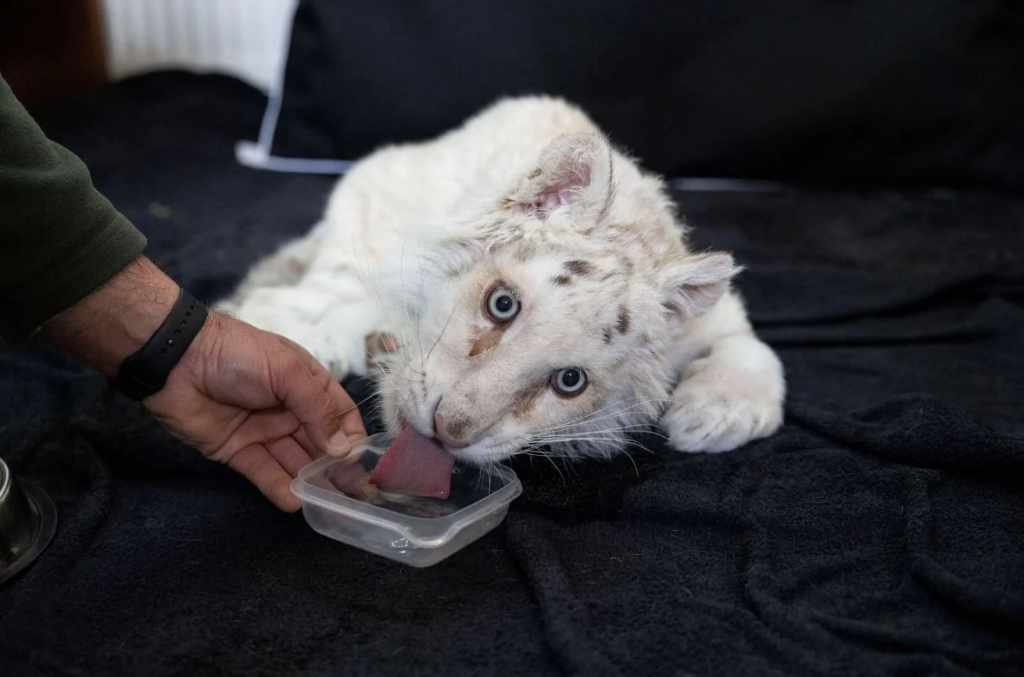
x,y
528,193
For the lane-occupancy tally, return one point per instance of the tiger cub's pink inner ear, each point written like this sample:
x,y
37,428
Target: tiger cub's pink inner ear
x,y
574,170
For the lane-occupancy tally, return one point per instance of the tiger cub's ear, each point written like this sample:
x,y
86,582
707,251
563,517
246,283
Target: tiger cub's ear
x,y
573,173
694,283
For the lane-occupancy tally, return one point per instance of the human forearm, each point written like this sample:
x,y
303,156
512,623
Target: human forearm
x,y
117,318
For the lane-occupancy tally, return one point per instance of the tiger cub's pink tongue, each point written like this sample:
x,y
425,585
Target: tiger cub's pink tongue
x,y
414,465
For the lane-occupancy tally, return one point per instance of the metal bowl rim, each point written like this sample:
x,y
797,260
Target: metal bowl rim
x,y
44,517
5,481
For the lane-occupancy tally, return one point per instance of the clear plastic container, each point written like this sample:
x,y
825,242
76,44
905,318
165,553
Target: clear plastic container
x,y
339,502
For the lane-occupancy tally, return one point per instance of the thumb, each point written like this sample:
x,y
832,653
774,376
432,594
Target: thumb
x,y
329,416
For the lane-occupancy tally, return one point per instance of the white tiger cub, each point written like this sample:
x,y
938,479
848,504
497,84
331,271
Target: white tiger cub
x,y
538,288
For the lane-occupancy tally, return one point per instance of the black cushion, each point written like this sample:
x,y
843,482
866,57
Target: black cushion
x,y
879,92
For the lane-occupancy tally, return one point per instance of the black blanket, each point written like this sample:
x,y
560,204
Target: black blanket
x,y
881,532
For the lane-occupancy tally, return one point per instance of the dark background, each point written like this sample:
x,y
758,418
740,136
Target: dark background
x,y
869,92
878,533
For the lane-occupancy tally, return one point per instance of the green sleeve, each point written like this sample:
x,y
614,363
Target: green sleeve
x,y
60,239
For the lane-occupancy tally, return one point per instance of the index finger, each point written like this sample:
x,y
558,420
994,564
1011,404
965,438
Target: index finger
x,y
349,419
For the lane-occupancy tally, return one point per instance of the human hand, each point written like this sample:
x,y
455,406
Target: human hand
x,y
241,396
257,402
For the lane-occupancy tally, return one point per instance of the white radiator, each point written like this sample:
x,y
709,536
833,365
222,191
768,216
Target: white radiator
x,y
244,38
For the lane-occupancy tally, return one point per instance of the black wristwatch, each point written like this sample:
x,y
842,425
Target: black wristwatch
x,y
145,371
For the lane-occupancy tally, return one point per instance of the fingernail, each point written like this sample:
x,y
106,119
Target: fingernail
x,y
339,445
